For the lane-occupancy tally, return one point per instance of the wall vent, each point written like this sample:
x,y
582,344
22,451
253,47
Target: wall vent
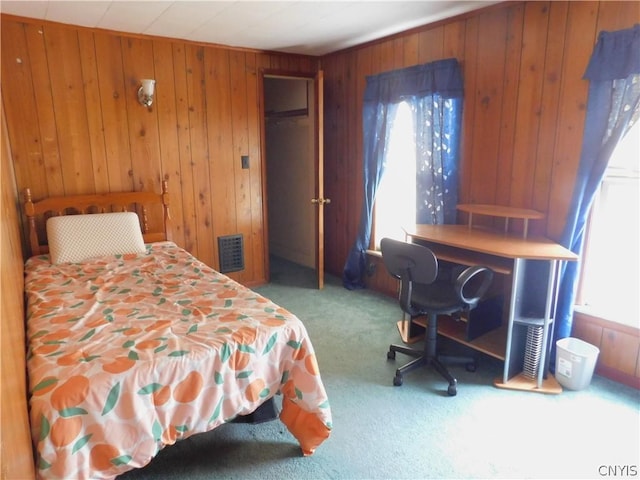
x,y
231,253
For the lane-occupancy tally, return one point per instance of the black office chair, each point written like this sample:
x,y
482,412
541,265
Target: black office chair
x,y
422,292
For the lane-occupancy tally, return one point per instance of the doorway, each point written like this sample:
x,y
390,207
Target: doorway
x,y
291,153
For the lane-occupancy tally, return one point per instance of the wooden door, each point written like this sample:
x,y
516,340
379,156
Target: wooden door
x,y
319,199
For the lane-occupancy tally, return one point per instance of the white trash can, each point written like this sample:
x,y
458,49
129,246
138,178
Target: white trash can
x,y
575,362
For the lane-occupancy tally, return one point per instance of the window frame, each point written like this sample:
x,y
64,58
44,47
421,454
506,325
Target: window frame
x,y
620,173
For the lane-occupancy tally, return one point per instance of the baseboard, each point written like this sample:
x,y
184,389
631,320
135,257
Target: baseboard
x,y
618,376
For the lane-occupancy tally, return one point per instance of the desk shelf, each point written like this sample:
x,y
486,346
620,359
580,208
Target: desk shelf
x,y
501,211
533,321
491,343
465,257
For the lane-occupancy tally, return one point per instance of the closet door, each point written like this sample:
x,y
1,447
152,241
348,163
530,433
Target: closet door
x,y
319,198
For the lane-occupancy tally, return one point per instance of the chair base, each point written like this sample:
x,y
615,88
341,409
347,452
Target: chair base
x,y
429,357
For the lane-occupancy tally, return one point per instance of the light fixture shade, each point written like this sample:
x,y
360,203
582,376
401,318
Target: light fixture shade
x,y
145,92
148,86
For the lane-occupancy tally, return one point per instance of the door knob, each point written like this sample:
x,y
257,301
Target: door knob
x,y
320,201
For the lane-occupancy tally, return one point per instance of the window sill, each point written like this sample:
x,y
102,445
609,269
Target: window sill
x,y
624,322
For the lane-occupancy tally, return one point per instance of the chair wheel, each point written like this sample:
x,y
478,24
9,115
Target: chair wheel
x,y
397,380
391,355
471,366
452,390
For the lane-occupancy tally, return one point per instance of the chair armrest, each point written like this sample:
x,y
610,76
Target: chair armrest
x,y
465,277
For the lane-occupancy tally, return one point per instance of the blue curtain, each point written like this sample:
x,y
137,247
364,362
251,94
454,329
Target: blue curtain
x,y
434,91
613,107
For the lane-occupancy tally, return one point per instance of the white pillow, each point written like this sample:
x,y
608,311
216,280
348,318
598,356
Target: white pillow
x,y
74,238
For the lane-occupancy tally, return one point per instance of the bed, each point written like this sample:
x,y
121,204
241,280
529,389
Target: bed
x,y
134,344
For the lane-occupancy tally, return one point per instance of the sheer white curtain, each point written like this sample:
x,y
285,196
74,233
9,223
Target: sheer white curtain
x,y
396,197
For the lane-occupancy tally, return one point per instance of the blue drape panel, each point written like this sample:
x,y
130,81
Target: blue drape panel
x,y
382,95
379,118
613,106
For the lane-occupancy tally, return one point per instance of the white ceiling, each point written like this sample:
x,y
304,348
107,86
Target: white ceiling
x,y
303,26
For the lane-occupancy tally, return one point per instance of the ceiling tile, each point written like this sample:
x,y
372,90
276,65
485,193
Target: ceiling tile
x,y
85,14
183,18
133,17
34,9
311,27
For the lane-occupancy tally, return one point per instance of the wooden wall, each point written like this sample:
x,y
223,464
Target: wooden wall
x,y
16,458
523,112
619,357
75,126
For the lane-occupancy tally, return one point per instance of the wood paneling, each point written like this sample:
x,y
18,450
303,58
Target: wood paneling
x,y
16,457
75,126
523,114
619,345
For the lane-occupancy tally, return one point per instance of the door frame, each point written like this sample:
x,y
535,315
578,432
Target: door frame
x,y
316,78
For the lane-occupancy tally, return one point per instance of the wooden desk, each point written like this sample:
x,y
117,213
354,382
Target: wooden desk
x,y
531,267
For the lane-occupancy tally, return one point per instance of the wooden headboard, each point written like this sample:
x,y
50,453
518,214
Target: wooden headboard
x,y
140,202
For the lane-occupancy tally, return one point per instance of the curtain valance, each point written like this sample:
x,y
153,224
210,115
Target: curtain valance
x,y
615,56
442,77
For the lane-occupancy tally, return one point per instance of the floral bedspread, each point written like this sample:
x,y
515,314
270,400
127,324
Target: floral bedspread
x,y
128,354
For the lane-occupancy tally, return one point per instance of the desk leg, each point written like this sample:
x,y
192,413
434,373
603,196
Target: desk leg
x,y
512,377
515,282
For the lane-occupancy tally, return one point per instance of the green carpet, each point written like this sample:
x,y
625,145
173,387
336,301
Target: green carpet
x,y
416,430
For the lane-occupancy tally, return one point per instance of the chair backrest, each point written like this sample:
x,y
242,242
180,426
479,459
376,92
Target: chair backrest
x,y
409,261
412,263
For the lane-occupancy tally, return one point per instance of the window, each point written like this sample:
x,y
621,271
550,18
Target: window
x,y
396,196
610,283
433,93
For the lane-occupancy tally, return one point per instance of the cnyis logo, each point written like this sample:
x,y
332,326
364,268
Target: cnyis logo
x,y
618,471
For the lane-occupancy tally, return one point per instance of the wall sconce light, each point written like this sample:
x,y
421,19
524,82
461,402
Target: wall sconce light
x,y
145,92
